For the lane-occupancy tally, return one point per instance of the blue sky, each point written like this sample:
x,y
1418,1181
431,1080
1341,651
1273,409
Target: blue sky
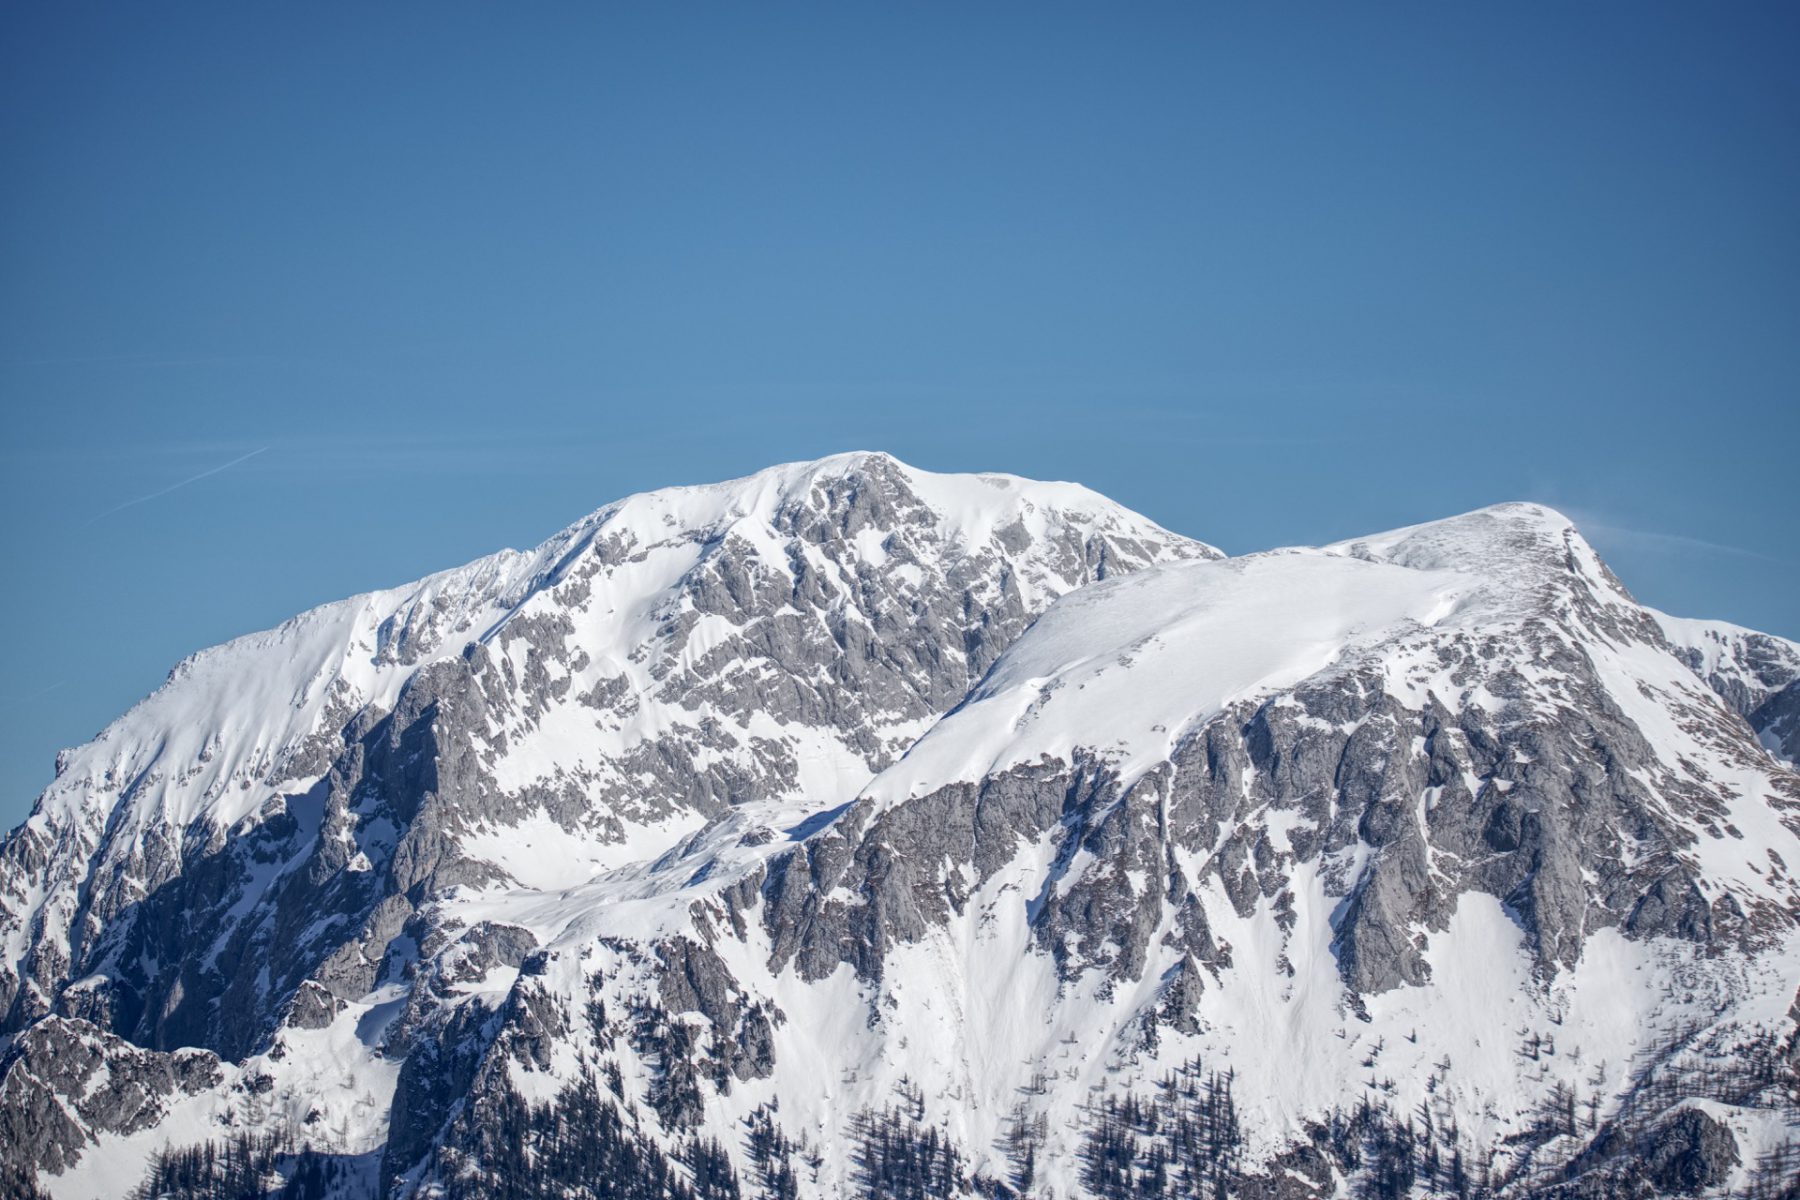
x,y
427,280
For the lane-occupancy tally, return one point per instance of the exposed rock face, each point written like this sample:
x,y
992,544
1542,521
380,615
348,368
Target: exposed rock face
x,y
849,830
1757,675
64,1082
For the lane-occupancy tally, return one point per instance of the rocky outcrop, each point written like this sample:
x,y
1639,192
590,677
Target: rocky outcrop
x,y
65,1082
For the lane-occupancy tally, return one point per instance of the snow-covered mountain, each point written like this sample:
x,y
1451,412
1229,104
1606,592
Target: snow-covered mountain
x,y
852,830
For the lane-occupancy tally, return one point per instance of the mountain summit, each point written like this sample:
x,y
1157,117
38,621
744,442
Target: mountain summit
x,y
853,830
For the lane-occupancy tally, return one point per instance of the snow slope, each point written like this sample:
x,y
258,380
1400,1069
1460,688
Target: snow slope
x,y
1130,667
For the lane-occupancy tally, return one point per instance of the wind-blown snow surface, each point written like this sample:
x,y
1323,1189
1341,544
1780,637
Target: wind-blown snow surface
x,y
1131,667
847,789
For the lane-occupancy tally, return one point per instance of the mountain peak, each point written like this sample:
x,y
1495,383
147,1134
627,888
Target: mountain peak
x,y
870,481
1482,537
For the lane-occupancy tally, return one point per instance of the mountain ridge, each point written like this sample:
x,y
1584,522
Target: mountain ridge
x,y
727,792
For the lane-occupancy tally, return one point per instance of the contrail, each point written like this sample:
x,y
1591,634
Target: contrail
x,y
12,702
176,486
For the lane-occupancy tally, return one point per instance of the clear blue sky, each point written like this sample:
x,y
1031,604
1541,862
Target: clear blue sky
x,y
1268,273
